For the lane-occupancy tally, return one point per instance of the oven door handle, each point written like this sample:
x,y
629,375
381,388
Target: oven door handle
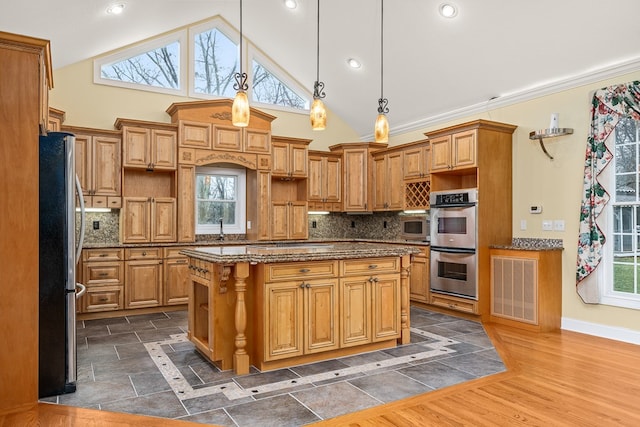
x,y
453,250
454,205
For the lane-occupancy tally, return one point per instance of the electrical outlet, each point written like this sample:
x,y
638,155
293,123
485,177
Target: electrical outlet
x,y
353,224
384,224
523,224
96,225
314,224
547,225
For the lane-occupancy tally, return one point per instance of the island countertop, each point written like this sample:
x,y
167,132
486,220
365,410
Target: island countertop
x,y
288,252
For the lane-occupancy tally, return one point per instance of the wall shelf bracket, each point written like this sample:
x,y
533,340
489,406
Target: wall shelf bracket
x,y
549,133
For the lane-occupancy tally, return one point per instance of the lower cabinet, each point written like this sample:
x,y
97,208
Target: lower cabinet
x,y
103,276
419,280
143,277
175,277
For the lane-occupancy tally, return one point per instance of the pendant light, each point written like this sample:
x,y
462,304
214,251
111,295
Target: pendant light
x,y
381,128
318,113
240,109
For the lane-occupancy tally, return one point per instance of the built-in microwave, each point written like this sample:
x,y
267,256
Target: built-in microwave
x,y
414,228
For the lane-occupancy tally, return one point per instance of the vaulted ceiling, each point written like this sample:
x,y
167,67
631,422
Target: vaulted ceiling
x,y
433,66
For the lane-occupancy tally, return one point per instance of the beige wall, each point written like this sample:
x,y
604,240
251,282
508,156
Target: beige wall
x,y
556,184
97,106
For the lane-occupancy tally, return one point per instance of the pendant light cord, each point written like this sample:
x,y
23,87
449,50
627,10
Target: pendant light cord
x,y
241,78
318,44
382,102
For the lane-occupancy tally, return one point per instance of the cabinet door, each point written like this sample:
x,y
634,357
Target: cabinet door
x,y
355,180
315,182
298,227
143,283
106,166
386,307
195,135
283,320
163,149
298,161
393,182
279,220
355,311
333,179
136,147
379,183
186,229
163,216
419,280
257,141
321,315
464,149
83,156
413,163
228,138
135,219
441,153
279,158
176,281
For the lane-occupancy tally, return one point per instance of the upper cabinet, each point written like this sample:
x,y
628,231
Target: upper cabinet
x,y
56,118
388,194
454,151
98,166
357,166
416,160
324,185
147,145
289,157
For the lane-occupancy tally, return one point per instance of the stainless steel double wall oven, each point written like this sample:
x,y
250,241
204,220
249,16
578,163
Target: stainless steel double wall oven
x,y
453,242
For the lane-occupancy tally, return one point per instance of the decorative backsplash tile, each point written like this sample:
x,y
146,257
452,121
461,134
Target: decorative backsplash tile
x,y
107,232
379,225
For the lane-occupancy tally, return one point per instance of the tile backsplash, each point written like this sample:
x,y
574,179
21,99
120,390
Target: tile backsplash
x,y
107,232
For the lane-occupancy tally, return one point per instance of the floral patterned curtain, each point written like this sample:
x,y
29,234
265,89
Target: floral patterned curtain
x,y
609,105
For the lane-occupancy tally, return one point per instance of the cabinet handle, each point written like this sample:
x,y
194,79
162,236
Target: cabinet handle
x,y
302,285
160,262
304,270
181,261
373,266
103,274
103,300
103,255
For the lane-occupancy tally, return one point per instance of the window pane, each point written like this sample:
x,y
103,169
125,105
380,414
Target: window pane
x,y
626,131
216,63
268,89
216,187
212,212
159,68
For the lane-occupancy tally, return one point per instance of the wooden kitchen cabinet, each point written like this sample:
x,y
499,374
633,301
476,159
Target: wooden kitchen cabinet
x,y
416,160
98,166
455,151
289,220
419,280
289,157
388,194
357,166
103,276
148,145
324,184
148,219
56,118
143,277
175,289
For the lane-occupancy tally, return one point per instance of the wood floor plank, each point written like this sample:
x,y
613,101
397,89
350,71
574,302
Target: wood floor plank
x,y
553,379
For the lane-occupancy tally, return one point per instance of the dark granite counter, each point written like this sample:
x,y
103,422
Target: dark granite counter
x,y
532,244
296,251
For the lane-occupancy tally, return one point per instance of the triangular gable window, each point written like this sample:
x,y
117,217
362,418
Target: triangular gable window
x,y
268,89
215,63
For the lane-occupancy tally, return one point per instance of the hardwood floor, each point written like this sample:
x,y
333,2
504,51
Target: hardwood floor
x,y
553,379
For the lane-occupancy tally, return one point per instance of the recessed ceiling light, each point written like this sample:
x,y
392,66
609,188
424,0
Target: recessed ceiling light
x,y
448,10
354,63
290,4
115,9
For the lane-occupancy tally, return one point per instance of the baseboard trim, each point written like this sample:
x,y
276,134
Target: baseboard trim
x,y
603,331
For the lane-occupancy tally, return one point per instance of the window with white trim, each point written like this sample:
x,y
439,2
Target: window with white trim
x,y
220,195
622,281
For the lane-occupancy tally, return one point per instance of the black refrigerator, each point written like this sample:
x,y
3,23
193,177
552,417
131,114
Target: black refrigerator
x,y
57,297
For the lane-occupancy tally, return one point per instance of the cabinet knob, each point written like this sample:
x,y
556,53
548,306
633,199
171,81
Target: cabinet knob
x,y
144,253
302,285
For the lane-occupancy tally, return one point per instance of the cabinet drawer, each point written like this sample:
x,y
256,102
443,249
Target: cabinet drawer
x,y
175,252
102,273
103,299
453,303
143,253
107,254
297,270
370,266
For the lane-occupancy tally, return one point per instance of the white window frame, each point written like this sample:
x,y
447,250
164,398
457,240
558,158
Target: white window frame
x,y
608,295
139,49
241,201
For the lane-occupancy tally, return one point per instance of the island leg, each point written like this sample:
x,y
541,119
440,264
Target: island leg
x,y
405,323
240,357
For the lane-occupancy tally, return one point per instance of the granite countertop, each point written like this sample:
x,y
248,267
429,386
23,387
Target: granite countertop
x,y
287,252
532,244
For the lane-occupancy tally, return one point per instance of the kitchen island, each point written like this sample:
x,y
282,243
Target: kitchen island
x,y
280,305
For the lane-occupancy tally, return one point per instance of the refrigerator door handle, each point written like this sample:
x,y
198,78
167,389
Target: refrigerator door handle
x,y
82,290
82,219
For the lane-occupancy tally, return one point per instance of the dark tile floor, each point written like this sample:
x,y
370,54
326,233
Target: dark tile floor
x,y
143,364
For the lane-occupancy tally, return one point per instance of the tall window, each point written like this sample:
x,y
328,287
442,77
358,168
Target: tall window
x,y
625,210
220,195
215,63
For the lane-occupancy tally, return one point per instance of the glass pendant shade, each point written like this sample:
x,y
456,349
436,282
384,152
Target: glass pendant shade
x,y
318,115
240,110
381,129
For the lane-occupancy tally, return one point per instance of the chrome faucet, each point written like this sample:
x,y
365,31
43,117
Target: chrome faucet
x,y
221,236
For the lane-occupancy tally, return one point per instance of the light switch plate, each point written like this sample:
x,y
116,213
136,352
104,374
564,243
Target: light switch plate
x,y
558,224
547,225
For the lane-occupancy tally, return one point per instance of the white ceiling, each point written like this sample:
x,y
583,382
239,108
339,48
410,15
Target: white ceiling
x,y
433,66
